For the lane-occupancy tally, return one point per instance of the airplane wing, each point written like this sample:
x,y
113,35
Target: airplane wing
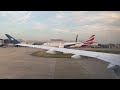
x,y
112,59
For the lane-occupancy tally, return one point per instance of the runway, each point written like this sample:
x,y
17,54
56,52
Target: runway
x,y
18,63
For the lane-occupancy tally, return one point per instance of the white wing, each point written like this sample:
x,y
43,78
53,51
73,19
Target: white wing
x,y
113,59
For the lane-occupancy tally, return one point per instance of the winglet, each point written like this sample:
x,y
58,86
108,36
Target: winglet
x,y
13,40
111,66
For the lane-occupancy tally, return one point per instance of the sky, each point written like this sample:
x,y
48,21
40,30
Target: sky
x,y
45,25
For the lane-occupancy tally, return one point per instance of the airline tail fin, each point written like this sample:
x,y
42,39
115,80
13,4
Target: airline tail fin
x,y
89,41
76,38
91,38
13,40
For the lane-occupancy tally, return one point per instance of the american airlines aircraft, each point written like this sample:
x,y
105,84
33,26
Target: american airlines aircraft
x,y
112,59
71,44
86,43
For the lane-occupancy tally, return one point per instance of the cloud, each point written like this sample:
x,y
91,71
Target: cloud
x,y
61,30
89,17
66,23
39,26
92,22
65,31
60,15
16,16
25,17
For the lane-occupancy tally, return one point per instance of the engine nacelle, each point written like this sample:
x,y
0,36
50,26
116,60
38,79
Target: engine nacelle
x,y
51,52
76,56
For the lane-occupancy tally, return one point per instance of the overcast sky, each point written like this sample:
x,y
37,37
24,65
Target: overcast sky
x,y
45,25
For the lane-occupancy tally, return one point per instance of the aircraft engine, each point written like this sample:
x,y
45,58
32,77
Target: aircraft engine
x,y
51,52
76,56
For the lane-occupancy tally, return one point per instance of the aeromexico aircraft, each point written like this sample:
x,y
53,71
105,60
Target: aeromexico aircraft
x,y
71,44
112,59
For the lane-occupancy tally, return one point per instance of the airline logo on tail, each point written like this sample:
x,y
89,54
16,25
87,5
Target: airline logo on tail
x,y
91,38
89,41
14,41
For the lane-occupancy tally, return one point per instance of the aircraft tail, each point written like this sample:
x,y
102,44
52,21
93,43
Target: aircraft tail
x,y
90,39
76,38
13,40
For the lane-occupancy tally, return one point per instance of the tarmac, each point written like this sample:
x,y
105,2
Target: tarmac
x,y
18,63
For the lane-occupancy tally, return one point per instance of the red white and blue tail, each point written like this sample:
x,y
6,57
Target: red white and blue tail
x,y
89,41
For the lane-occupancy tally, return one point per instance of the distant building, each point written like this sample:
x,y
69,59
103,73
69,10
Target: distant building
x,y
111,45
117,46
103,45
56,40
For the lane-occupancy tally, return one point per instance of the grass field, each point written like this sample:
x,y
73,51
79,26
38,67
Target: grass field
x,y
57,55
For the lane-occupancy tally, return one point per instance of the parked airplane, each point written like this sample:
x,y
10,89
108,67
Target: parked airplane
x,y
86,43
61,44
112,59
71,44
